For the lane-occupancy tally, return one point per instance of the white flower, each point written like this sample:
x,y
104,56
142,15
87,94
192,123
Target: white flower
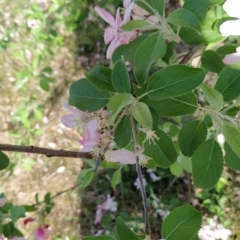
x,y
232,58
137,183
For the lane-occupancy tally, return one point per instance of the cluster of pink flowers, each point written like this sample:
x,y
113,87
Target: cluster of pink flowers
x,y
231,27
108,205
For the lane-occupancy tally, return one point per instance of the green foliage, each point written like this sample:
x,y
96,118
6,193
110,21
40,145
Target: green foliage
x,y
17,212
4,161
182,223
231,158
136,25
116,178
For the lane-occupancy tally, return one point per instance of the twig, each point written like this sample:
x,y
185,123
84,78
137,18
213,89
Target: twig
x,y
140,177
44,151
189,55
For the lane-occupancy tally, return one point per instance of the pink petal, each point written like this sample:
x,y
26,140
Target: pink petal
x,y
232,58
232,8
126,3
2,201
106,16
109,34
127,14
118,19
122,156
70,120
67,106
113,45
230,27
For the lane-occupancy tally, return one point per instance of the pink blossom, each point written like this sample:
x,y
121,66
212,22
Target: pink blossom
x,y
2,201
231,27
233,57
41,233
108,205
114,34
90,136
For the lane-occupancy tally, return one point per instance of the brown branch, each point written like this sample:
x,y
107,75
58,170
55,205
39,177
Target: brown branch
x,y
44,151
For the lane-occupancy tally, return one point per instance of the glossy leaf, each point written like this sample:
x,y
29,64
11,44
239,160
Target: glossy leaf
x,y
123,133
116,178
136,25
191,136
124,232
127,51
182,223
84,96
150,50
120,78
207,164
174,81
4,161
162,152
228,83
232,137
214,98
100,77
142,114
117,103
177,106
212,62
231,158
184,18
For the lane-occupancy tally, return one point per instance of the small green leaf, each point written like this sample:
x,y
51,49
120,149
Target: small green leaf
x,y
8,230
47,200
86,97
4,161
232,136
184,18
123,132
182,223
207,164
226,49
191,136
158,5
150,50
228,83
186,163
44,85
103,237
17,212
101,77
117,103
214,98
142,114
177,106
174,81
30,208
116,178
212,62
136,25
231,158
176,169
120,78
87,179
124,232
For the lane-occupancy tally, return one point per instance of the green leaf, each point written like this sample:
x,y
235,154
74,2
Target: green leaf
x,y
169,52
228,83
123,132
158,5
116,178
136,25
184,18
226,49
176,169
117,103
212,62
4,160
120,78
127,50
8,230
231,158
44,85
86,97
162,152
174,81
124,232
178,106
87,179
142,114
17,212
182,223
232,137
47,200
186,163
207,164
214,98
103,237
150,50
191,136
200,7
30,208
101,77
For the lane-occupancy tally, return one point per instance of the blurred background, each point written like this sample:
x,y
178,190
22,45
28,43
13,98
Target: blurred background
x,y
45,45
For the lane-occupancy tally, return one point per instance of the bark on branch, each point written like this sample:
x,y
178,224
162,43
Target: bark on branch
x,y
44,151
